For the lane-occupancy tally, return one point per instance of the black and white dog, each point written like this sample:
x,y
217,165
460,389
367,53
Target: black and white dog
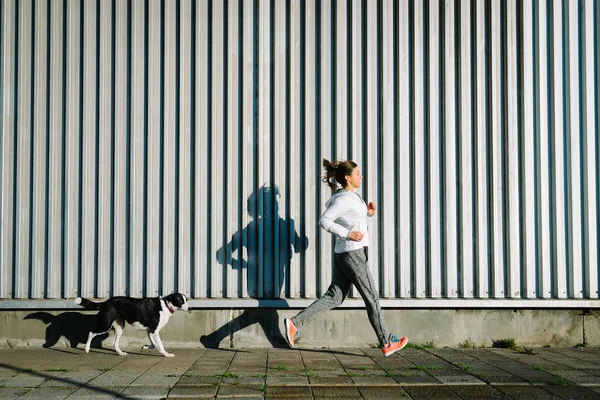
x,y
149,314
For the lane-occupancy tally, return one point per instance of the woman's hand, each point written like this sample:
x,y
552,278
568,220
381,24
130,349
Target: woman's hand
x,y
356,236
371,208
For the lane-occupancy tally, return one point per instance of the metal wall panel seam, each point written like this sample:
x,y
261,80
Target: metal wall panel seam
x,y
186,91
575,134
218,177
73,108
40,138
55,260
543,131
295,243
105,244
371,189
558,163
588,83
450,283
201,184
497,154
324,139
232,228
9,141
468,162
248,119
264,128
482,184
340,59
275,205
311,160
137,139
121,163
433,151
530,153
355,54
514,255
420,252
153,151
23,154
88,149
386,147
403,141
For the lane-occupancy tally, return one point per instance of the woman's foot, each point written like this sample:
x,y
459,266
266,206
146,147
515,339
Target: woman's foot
x,y
394,345
290,331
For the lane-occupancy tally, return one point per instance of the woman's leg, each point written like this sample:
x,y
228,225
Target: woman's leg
x,y
358,272
335,295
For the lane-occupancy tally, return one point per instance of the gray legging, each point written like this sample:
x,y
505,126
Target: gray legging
x,y
349,268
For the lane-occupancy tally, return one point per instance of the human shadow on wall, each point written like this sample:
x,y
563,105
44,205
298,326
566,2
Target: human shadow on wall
x,y
73,326
269,242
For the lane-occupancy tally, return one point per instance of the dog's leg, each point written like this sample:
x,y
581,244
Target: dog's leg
x,y
118,333
151,346
105,324
156,339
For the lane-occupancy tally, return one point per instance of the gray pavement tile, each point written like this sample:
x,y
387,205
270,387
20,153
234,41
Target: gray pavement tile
x,y
342,392
293,372
25,380
287,380
114,378
383,393
330,380
289,391
96,392
578,377
416,380
366,372
12,393
431,392
573,392
459,379
146,392
526,392
198,380
244,380
153,379
72,378
50,393
198,392
373,380
472,392
502,379
241,390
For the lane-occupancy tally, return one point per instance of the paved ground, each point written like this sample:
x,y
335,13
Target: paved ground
x,y
301,374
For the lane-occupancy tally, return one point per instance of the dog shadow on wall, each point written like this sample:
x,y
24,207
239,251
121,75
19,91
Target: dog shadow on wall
x,y
264,248
73,326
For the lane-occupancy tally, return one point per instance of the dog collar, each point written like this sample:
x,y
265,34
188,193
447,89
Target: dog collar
x,y
170,309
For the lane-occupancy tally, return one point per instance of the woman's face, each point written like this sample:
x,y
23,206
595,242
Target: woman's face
x,y
354,180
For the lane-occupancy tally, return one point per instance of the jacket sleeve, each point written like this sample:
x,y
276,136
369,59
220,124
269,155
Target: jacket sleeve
x,y
333,212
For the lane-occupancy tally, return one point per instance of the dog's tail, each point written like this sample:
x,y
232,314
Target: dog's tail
x,y
87,304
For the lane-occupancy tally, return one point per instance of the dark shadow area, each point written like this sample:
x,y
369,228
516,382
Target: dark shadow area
x,y
69,382
263,251
73,326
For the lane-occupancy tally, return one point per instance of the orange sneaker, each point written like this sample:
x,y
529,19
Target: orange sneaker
x,y
394,345
290,331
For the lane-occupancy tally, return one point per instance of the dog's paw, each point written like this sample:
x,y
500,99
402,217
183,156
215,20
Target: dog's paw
x,y
169,355
122,353
148,347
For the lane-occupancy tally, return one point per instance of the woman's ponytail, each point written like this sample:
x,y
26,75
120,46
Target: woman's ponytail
x,y
337,170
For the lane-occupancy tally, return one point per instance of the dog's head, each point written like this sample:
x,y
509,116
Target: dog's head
x,y
177,301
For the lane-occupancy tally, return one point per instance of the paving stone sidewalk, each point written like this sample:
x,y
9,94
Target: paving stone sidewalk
x,y
446,373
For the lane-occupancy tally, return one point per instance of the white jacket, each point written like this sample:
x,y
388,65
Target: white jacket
x,y
346,212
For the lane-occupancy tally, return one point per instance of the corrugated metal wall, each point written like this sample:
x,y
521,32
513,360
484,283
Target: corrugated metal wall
x,y
157,146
